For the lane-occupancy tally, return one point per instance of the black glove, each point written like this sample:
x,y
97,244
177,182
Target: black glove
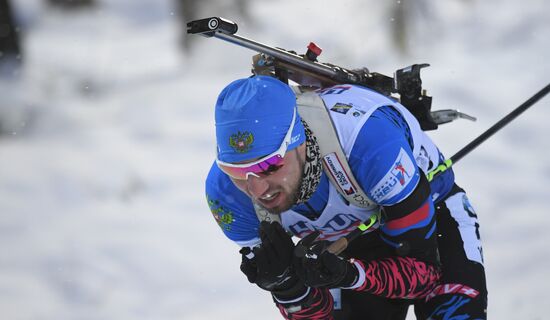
x,y
271,265
248,264
320,268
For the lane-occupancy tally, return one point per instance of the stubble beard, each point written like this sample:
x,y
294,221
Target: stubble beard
x,y
294,193
292,200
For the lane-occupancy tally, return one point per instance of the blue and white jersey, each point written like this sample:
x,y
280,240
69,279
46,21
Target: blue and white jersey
x,y
387,152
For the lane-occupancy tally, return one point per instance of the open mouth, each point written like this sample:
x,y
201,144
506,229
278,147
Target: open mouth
x,y
269,199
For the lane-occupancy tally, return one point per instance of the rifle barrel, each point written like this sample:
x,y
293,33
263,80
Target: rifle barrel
x,y
277,53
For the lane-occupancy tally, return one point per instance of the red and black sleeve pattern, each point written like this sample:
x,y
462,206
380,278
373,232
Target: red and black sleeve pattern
x,y
397,277
413,271
317,305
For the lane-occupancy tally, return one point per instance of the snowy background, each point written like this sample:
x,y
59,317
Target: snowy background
x,y
107,135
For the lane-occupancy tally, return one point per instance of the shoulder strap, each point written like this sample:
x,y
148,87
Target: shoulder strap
x,y
313,110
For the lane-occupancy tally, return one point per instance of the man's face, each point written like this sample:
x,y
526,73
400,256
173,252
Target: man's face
x,y
277,191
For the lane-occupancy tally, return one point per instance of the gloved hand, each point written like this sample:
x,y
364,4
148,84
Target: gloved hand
x,y
270,264
320,268
248,264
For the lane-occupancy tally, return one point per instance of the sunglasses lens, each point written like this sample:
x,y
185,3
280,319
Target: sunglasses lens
x,y
268,165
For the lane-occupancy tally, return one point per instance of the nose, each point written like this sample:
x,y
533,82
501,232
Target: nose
x,y
256,186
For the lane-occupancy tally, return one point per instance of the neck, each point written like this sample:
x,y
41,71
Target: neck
x,y
312,167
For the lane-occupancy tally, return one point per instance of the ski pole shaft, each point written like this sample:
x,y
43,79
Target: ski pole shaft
x,y
500,124
488,133
341,244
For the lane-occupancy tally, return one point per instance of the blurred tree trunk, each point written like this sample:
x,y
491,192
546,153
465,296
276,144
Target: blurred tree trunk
x,y
71,4
187,11
400,24
242,9
9,39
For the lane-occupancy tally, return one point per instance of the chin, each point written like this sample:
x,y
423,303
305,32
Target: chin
x,y
279,210
285,205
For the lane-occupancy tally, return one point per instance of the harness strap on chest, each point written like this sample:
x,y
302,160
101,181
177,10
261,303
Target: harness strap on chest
x,y
313,110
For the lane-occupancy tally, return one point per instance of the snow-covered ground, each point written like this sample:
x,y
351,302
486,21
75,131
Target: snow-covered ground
x,y
108,135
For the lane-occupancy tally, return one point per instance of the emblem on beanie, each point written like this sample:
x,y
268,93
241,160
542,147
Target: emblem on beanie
x,y
241,141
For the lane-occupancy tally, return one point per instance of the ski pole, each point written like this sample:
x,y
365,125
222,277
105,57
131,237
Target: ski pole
x,y
488,133
341,244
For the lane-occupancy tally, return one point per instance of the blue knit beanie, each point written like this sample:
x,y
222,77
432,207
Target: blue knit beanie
x,y
253,116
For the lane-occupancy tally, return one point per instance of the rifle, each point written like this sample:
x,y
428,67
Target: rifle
x,y
405,86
